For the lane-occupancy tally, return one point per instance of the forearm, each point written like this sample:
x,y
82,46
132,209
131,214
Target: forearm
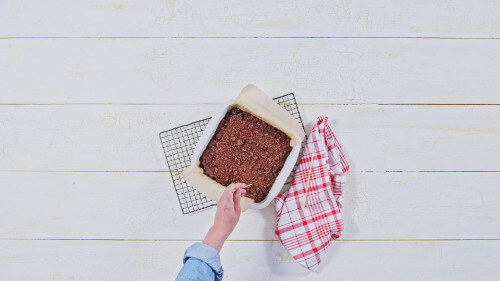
x,y
226,217
215,238
206,254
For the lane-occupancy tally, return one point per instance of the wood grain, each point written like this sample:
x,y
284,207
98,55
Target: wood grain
x,y
192,71
318,18
125,138
161,260
411,90
144,206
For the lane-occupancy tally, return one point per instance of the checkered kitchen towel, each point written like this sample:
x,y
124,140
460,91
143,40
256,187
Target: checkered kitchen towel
x,y
307,232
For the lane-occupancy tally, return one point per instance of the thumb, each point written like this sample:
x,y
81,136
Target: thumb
x,y
237,200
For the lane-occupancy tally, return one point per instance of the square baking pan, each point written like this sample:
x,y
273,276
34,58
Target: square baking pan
x,y
280,179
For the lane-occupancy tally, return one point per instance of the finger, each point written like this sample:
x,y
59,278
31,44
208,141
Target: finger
x,y
232,187
237,197
225,197
228,194
241,185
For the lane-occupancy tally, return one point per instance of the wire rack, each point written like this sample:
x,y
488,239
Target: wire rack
x,y
179,143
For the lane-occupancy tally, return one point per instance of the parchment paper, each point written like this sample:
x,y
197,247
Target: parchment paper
x,y
252,100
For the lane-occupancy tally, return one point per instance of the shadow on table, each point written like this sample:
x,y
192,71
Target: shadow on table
x,y
278,257
279,260
281,263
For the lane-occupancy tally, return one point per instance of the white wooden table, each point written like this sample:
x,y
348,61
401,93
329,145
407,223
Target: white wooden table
x,y
412,90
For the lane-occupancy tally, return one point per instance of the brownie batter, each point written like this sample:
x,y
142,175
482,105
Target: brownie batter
x,y
248,150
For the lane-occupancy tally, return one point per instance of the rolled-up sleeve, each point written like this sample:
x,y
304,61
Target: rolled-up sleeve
x,y
201,262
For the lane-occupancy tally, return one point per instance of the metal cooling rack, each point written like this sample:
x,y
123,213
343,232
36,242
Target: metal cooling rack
x,y
179,143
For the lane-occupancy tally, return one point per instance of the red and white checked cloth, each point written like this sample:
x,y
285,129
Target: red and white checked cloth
x,y
307,232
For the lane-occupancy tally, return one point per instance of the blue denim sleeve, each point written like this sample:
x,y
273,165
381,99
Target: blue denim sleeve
x,y
201,262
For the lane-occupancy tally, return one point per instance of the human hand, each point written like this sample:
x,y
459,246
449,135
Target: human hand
x,y
227,215
229,209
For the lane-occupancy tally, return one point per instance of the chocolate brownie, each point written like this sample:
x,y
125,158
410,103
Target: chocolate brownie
x,y
246,149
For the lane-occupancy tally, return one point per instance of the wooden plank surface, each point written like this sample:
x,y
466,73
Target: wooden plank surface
x,y
161,260
86,86
187,71
144,206
128,18
125,137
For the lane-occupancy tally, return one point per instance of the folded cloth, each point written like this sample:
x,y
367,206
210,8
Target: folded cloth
x,y
307,232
